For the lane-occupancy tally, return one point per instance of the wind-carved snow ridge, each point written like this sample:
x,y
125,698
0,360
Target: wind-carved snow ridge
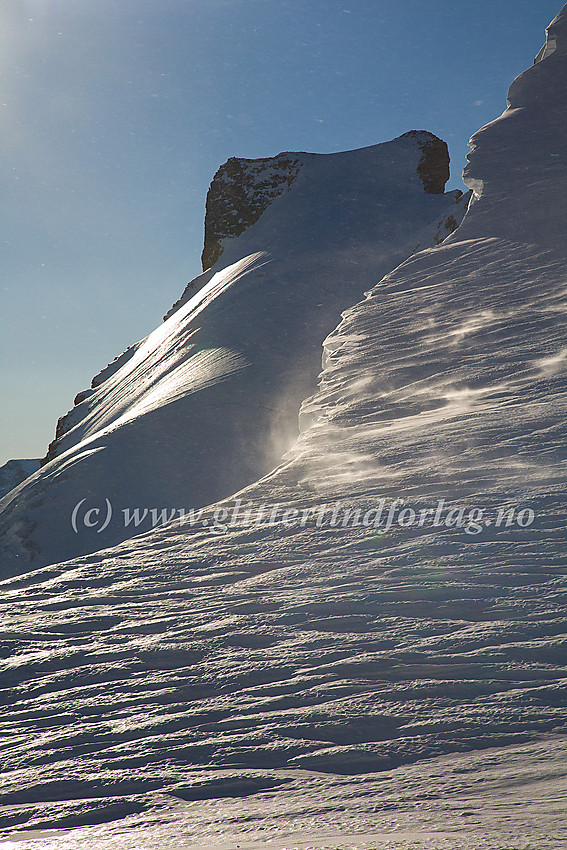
x,y
555,38
155,374
501,169
209,402
389,601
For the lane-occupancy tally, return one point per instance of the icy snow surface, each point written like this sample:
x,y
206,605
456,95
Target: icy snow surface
x,y
243,682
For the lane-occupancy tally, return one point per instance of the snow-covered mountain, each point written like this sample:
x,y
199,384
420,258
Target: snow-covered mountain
x,y
209,401
14,472
367,647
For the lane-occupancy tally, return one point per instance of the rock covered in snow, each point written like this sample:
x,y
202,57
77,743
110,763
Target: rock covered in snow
x,y
243,188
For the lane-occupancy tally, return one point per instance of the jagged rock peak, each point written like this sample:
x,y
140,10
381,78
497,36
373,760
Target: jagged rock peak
x,y
238,195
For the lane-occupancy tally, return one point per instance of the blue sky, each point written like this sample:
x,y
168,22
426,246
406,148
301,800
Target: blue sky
x,y
115,115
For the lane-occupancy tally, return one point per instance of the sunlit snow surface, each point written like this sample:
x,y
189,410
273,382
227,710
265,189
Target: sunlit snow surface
x,y
314,684
511,799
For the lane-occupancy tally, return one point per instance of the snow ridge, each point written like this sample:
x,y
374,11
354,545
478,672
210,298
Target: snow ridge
x,y
209,401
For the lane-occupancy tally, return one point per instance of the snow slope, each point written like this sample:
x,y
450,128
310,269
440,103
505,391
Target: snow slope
x,y
14,472
209,401
318,679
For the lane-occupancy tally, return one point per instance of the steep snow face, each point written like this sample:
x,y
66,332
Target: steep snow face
x,y
528,138
449,381
555,37
209,401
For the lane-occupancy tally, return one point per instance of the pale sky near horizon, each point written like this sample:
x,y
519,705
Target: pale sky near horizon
x,y
115,116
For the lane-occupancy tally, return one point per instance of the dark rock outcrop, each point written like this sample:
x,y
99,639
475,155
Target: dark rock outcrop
x,y
433,167
238,195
